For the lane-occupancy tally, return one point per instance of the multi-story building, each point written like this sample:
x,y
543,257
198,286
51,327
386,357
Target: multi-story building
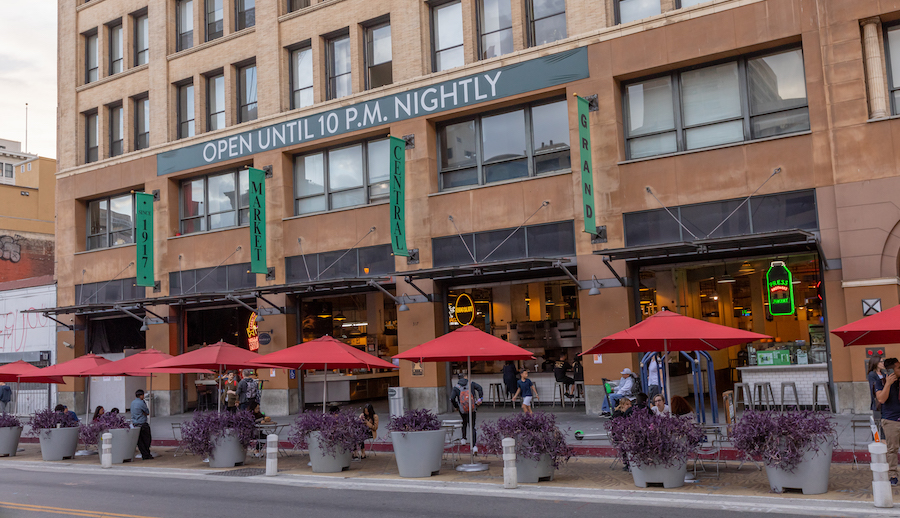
x,y
727,137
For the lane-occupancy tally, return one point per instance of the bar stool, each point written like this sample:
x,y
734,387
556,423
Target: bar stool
x,y
824,386
559,391
495,391
763,391
743,394
789,385
579,393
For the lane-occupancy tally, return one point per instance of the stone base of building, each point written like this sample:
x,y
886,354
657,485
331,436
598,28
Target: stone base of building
x,y
853,396
434,399
73,400
279,401
165,402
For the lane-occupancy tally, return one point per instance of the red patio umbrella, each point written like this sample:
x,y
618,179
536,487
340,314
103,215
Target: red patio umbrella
x,y
667,331
466,344
74,368
324,353
11,372
878,329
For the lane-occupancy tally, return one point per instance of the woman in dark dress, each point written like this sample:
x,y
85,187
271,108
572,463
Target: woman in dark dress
x,y
510,376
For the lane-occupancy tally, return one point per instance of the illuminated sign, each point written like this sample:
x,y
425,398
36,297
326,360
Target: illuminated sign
x,y
464,309
253,333
780,287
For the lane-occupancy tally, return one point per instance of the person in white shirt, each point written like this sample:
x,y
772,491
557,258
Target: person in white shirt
x,y
626,384
659,406
653,385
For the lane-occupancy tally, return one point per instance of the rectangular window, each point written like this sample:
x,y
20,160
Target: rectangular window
x,y
245,14
892,56
186,110
339,72
495,28
184,24
141,123
215,102
546,20
141,40
215,201
631,10
247,93
679,4
116,130
296,5
341,177
378,56
116,49
301,78
91,134
8,170
110,222
215,19
548,240
91,58
447,33
753,97
525,141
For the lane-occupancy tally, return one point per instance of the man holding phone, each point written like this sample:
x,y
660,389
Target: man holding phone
x,y
887,392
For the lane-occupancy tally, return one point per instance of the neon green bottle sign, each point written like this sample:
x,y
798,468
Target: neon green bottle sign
x,y
780,287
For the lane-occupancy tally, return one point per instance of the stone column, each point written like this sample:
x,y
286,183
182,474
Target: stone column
x,y
875,80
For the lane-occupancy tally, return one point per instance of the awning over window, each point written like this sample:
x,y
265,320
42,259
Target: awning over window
x,y
752,242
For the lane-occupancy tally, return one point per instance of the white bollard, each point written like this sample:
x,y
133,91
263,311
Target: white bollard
x,y
510,476
106,450
881,486
271,455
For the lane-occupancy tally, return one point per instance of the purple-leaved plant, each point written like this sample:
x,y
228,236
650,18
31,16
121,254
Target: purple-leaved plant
x,y
45,419
340,432
780,439
90,433
415,421
536,435
9,421
201,433
655,440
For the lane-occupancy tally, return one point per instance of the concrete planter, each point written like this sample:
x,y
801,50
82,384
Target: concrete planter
x,y
323,461
124,442
418,454
58,443
810,475
668,477
9,440
227,451
533,471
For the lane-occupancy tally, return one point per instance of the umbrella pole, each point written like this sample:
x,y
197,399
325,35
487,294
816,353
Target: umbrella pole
x,y
472,466
151,396
325,390
219,390
666,371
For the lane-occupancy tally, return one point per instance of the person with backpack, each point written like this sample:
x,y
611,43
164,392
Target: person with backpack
x,y
463,400
248,391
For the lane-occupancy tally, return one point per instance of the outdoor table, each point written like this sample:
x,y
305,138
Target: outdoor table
x,y
270,428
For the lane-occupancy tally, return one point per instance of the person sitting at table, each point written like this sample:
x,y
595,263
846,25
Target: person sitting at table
x,y
623,409
114,411
623,390
63,409
560,368
680,406
659,406
641,403
261,419
97,413
370,418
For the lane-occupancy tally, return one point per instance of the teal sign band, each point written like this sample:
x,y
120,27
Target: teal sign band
x,y
258,221
528,76
398,193
780,288
587,175
143,230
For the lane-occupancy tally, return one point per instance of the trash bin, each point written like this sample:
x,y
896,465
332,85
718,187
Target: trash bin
x,y
397,400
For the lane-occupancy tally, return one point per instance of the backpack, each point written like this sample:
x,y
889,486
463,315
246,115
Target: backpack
x,y
465,400
252,389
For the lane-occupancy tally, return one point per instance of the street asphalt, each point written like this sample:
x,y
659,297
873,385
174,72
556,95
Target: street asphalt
x,y
36,491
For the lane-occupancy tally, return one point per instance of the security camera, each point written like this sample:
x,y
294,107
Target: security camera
x,y
67,344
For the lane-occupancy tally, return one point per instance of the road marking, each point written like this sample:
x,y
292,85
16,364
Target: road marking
x,y
61,510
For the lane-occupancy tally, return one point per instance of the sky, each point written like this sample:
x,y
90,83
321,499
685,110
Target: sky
x,y
28,73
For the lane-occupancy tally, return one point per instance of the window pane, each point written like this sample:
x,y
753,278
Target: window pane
x,y
222,220
142,36
348,198
505,171
216,102
121,213
379,190
142,124
550,29
298,4
121,238
190,226
185,24
701,219
96,242
459,178
549,162
653,145
340,56
115,49
630,10
244,188
308,205
545,8
711,94
302,78
785,211
345,168
214,19
343,86
689,3
450,58
303,98
186,110
238,276
450,250
550,127
246,16
309,175
379,45
714,135
551,240
780,123
93,58
649,106
345,268
651,228
192,198
503,136
380,75
776,82
486,242
497,43
378,259
448,30
378,160
97,216
495,15
221,193
458,145
248,93
893,44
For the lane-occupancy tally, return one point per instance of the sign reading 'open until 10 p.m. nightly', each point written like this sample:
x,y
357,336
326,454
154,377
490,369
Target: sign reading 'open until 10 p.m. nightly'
x,y
535,74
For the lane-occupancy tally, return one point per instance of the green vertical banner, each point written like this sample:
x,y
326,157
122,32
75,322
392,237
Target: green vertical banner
x,y
258,221
143,229
398,194
587,174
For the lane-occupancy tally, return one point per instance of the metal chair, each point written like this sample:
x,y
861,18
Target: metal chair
x,y
789,385
860,446
559,391
763,392
452,442
182,449
824,386
711,449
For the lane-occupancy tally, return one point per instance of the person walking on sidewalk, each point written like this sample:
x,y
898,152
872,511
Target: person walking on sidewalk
x,y
528,390
248,391
887,392
464,401
139,413
5,397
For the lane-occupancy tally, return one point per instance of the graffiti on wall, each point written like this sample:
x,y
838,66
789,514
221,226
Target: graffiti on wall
x,y
10,249
20,331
